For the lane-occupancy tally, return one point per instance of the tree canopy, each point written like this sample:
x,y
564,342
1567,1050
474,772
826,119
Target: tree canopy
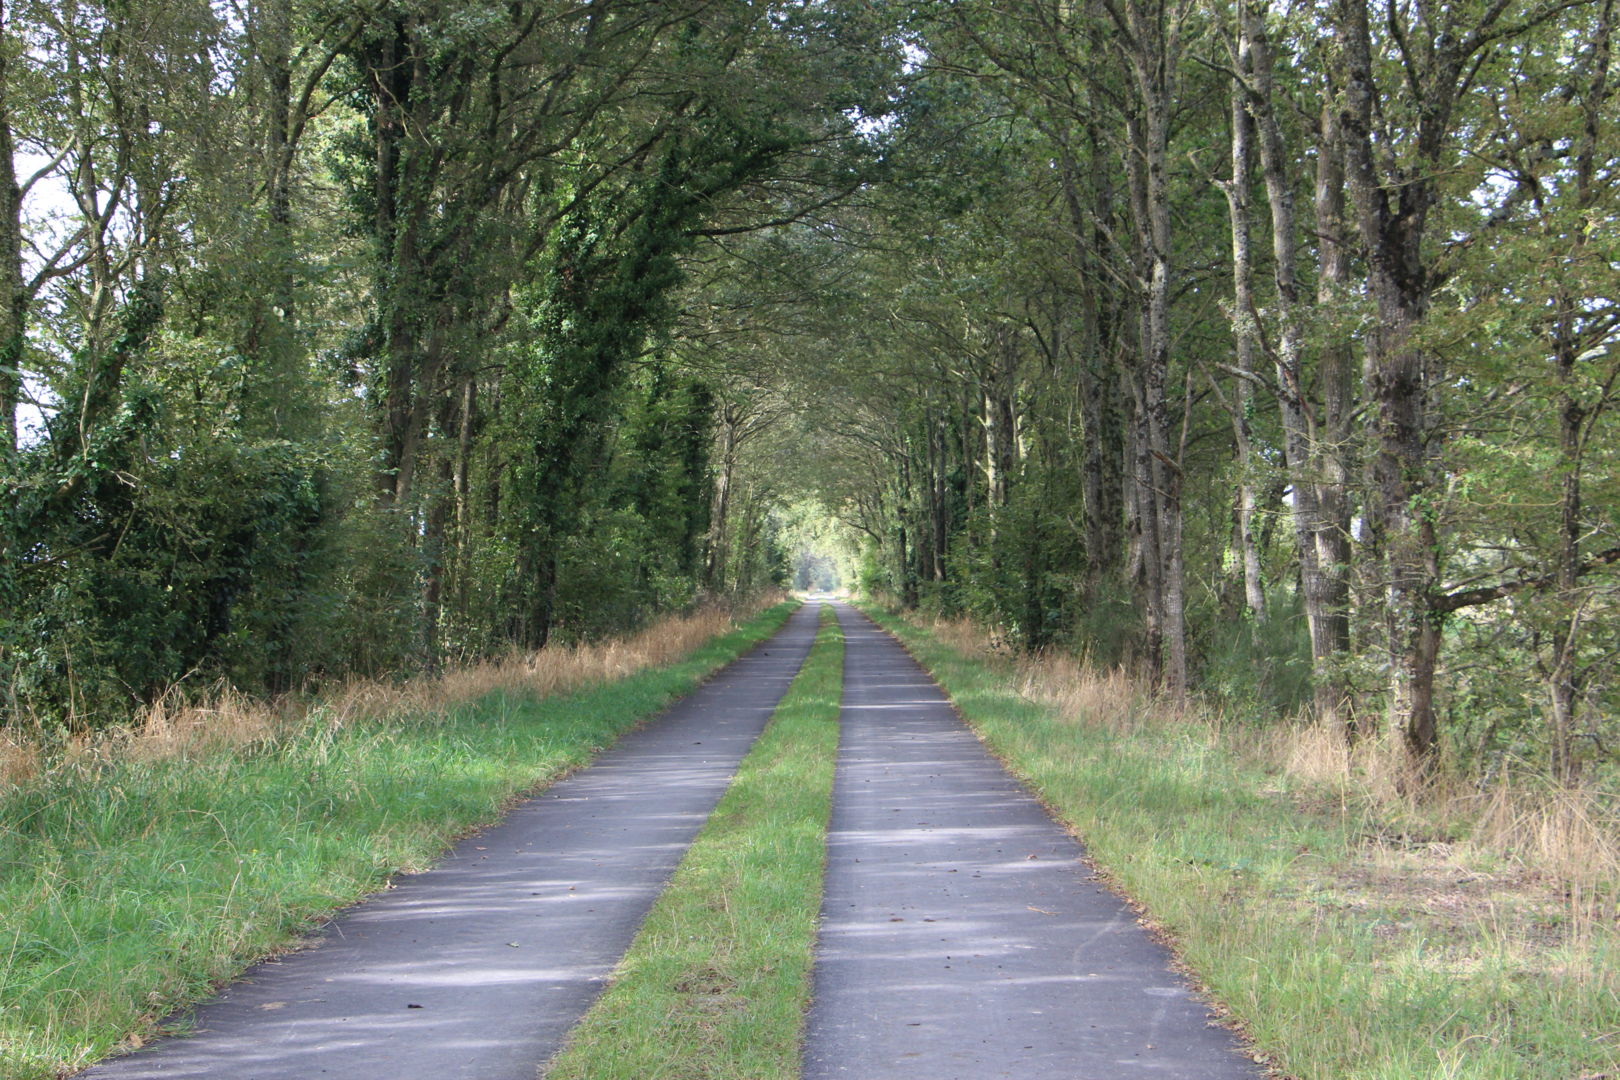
x,y
1269,350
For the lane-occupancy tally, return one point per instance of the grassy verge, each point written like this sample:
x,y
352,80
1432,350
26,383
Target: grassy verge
x,y
716,983
1348,947
131,884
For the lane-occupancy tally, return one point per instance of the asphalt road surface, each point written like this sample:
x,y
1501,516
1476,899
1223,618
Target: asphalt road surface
x,y
962,936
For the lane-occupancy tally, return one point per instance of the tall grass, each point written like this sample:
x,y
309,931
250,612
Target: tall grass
x,y
138,870
220,719
1355,931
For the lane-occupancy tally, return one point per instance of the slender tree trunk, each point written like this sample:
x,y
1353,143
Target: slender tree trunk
x,y
1099,475
434,559
402,193
928,516
1331,442
905,535
461,485
1148,563
999,420
1244,334
1151,42
942,519
1164,467
1311,465
1575,415
13,301
273,392
714,573
275,42
1101,478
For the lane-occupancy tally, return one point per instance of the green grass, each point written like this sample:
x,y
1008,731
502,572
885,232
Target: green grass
x,y
129,888
717,981
1341,960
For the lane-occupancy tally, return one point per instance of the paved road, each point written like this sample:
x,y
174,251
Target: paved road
x,y
962,937
478,968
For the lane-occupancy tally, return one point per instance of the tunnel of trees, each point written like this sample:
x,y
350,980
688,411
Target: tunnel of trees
x,y
1269,350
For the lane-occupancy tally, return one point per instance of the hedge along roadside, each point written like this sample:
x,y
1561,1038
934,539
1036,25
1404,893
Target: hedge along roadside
x,y
132,887
717,980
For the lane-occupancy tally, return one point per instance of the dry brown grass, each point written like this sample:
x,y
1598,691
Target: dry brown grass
x,y
224,719
1564,838
1073,687
555,670
19,760
1083,694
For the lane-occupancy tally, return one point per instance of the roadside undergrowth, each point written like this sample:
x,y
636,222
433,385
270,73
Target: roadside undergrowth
x,y
138,872
222,719
717,980
1353,932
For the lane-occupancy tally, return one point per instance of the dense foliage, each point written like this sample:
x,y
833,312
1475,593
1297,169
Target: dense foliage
x,y
343,337
1269,349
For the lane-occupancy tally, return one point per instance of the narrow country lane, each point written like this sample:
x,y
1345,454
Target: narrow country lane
x,y
479,967
962,936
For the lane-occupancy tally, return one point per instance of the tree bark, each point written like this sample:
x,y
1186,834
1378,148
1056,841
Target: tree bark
x,y
1244,332
714,571
1314,466
1392,221
13,300
1149,34
1331,444
1575,415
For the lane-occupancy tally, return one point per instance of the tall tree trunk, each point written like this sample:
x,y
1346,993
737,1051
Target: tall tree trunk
x,y
714,572
434,560
1000,418
1400,380
1147,565
402,195
1150,38
461,485
1164,466
1575,415
1312,460
1101,480
1332,444
905,535
13,301
1244,332
938,436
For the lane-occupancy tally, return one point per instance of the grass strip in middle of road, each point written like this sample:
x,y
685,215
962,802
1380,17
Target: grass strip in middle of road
x,y
716,983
